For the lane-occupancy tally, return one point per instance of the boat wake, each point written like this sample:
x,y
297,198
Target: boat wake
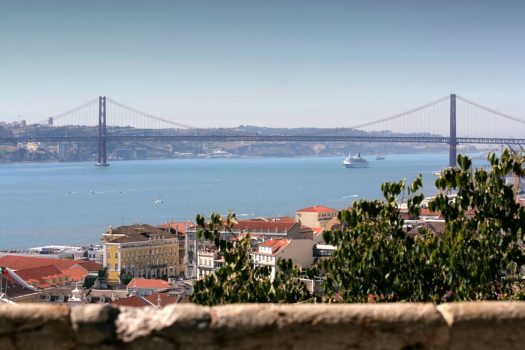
x,y
351,196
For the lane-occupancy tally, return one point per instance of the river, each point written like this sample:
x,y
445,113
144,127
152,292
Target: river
x,y
74,203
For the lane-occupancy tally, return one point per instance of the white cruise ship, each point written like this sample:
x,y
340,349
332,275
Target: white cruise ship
x,y
355,161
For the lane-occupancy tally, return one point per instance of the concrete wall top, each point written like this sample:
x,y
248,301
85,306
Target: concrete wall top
x,y
404,326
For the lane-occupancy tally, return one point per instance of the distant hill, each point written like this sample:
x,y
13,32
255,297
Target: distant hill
x,y
84,151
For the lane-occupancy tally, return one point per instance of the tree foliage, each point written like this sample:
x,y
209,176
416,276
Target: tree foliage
x,y
238,280
376,259
125,278
89,281
476,258
103,273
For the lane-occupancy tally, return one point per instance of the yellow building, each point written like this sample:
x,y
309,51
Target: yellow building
x,y
140,251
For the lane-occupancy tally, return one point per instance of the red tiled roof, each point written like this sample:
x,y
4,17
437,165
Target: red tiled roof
x,y
285,219
256,225
317,209
150,300
75,273
148,284
132,301
164,299
89,266
261,225
428,212
42,275
178,226
275,244
16,262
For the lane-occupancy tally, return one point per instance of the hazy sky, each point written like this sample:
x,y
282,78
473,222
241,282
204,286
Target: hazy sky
x,y
269,63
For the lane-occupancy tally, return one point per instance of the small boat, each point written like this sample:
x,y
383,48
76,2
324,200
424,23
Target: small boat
x,y
159,200
440,172
380,157
355,161
91,191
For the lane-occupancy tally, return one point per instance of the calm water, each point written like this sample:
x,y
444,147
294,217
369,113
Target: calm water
x,y
73,203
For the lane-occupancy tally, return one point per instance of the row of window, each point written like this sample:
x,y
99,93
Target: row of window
x,y
156,251
263,258
206,262
128,267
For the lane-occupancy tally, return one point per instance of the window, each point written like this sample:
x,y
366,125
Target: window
x,y
116,267
116,255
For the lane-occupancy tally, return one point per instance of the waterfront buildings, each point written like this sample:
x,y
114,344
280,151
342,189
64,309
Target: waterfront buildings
x,y
140,251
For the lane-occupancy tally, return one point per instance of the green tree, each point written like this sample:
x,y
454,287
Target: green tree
x,y
485,226
376,259
103,273
238,280
125,278
374,256
89,281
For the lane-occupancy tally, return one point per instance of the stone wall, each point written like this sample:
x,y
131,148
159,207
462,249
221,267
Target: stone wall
x,y
483,325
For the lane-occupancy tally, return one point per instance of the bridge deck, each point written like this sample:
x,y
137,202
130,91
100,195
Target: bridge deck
x,y
268,138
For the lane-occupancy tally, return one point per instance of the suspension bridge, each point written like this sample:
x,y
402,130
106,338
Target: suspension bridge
x,y
451,120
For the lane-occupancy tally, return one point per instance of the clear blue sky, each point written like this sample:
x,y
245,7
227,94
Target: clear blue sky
x,y
270,63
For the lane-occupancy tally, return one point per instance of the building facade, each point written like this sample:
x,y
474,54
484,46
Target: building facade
x,y
259,230
208,260
316,216
300,251
140,251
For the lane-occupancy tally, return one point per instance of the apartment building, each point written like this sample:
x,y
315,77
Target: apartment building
x,y
260,230
140,251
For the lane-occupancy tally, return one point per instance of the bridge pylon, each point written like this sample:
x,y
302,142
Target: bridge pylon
x,y
102,152
452,139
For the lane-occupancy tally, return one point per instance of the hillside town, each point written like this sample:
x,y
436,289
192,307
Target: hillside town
x,y
146,265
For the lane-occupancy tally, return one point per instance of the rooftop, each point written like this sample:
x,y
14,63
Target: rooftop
x,y
179,227
137,233
148,283
261,225
275,244
155,299
43,276
256,225
15,262
317,209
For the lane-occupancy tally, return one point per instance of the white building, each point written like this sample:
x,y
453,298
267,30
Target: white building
x,y
259,230
96,254
300,251
208,260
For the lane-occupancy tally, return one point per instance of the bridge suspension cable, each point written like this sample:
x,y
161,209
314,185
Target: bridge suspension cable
x,y
147,115
401,114
487,109
71,111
